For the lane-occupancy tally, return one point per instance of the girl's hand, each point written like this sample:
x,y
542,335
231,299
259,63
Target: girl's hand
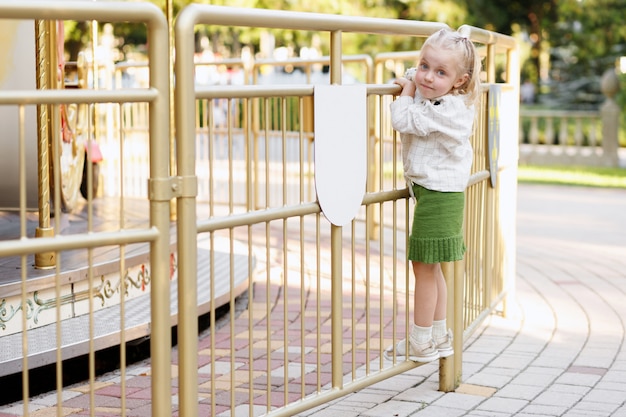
x,y
408,86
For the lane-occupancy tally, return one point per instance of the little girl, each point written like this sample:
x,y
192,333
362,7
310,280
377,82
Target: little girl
x,y
434,115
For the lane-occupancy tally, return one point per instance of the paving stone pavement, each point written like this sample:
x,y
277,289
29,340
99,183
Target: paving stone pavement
x,y
559,351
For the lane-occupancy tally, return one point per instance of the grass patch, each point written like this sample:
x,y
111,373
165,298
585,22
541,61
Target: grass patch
x,y
573,175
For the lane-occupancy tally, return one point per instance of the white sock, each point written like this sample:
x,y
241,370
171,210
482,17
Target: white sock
x,y
421,334
440,329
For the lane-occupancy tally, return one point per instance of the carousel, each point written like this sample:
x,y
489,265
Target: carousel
x,y
64,191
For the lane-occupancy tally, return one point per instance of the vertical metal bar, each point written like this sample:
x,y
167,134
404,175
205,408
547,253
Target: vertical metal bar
x,y
231,304
446,365
368,295
268,319
186,230
394,263
487,244
211,156
161,340
251,333
303,316
96,125
122,268
22,190
286,294
408,316
474,230
336,307
169,12
353,296
318,312
231,264
335,244
212,319
250,192
458,329
90,277
266,135
381,256
53,141
92,347
249,146
268,312
490,64
374,147
255,129
283,129
394,159
231,276
90,280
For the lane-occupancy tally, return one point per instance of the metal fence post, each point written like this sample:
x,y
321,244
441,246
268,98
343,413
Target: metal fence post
x,y
186,212
450,368
336,246
160,340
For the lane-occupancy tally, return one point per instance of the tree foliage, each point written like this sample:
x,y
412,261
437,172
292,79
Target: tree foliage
x,y
589,35
533,17
582,36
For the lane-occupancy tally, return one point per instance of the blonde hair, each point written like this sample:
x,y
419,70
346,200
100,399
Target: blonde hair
x,y
468,59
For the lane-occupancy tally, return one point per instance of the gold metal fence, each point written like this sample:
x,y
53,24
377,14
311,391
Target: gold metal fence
x,y
54,305
323,301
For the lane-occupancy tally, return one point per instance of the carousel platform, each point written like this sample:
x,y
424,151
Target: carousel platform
x,y
66,294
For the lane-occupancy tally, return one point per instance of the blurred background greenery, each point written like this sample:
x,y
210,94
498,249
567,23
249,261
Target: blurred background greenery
x,y
565,45
586,176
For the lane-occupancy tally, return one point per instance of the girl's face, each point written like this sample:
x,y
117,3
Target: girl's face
x,y
437,73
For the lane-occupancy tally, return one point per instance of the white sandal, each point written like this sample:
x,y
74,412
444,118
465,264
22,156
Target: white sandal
x,y
426,352
444,345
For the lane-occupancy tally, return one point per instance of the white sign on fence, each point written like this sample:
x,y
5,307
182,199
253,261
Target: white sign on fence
x,y
340,150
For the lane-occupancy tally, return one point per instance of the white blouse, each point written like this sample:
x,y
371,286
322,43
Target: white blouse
x,y
436,151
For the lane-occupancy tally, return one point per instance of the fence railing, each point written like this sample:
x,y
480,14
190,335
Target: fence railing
x,y
324,299
82,251
561,137
574,137
562,127
290,241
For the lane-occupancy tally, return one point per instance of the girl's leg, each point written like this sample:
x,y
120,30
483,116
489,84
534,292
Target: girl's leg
x,y
440,333
419,346
426,303
442,296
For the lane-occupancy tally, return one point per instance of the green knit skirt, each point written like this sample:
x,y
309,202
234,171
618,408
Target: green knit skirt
x,y
437,232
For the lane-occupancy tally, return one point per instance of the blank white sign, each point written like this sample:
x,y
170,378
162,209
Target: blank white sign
x,y
340,150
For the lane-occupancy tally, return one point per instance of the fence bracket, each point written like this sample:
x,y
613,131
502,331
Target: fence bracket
x,y
165,189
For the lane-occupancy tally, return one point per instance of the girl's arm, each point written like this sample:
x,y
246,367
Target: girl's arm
x,y
450,116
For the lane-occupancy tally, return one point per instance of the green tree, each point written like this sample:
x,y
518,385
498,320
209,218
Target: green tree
x,y
231,40
589,35
534,17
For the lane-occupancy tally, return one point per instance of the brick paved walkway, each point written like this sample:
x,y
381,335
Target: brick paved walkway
x,y
560,351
